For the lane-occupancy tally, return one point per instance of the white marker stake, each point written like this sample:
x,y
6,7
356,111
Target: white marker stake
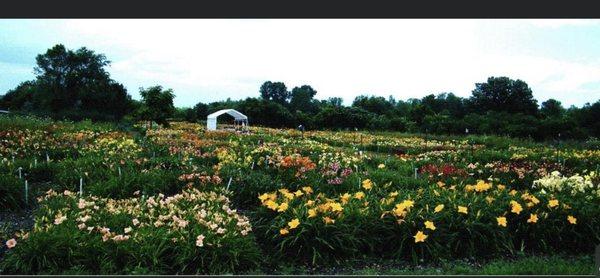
x,y
26,192
35,162
252,165
47,158
119,171
80,187
13,159
20,172
416,173
228,183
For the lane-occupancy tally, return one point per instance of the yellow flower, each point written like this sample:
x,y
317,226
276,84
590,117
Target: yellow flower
x,y
400,210
345,198
307,189
429,225
298,193
359,195
534,200
489,199
552,203
263,197
501,187
438,208
572,219
501,221
294,223
288,195
283,207
381,166
462,209
482,186
312,213
512,192
367,184
516,207
271,204
532,218
336,207
310,203
328,220
394,194
441,184
420,237
284,231
408,203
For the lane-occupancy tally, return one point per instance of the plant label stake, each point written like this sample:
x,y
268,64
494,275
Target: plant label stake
x,y
26,192
80,187
229,183
119,171
13,159
47,158
252,165
416,173
35,162
20,172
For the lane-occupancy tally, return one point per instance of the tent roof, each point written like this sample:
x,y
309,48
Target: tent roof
x,y
236,114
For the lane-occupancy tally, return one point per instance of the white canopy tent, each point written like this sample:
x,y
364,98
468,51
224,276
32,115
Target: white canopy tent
x,y
211,120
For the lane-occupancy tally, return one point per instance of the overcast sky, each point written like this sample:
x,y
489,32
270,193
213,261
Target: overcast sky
x,y
206,60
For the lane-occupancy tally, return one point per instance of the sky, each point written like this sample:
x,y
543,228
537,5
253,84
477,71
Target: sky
x,y
206,60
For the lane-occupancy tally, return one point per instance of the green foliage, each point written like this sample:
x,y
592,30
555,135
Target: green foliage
x,y
12,193
157,104
71,84
274,91
55,246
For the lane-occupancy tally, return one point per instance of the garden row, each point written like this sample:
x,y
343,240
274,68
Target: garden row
x,y
182,200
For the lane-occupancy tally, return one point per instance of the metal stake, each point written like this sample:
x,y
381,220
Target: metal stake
x,y
26,192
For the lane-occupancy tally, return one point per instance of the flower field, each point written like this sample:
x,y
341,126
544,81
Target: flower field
x,y
179,200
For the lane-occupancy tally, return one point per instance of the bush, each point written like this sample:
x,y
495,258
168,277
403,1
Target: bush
x,y
189,233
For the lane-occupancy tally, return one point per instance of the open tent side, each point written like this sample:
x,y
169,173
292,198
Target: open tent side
x,y
211,120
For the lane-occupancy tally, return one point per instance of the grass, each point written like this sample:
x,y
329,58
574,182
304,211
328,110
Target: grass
x,y
524,265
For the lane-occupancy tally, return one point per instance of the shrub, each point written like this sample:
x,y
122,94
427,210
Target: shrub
x,y
189,233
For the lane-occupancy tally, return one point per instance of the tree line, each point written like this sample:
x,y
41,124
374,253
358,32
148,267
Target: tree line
x,y
74,84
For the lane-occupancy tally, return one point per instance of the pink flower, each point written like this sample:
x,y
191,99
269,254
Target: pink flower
x,y
81,204
200,240
11,243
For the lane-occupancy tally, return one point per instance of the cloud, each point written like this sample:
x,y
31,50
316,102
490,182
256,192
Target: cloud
x,y
210,60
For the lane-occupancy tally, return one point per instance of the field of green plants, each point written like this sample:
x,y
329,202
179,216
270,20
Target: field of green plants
x,y
107,199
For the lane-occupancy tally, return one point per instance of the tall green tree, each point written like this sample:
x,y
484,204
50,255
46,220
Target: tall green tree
x,y
72,84
502,94
302,99
275,91
373,104
201,110
157,104
552,108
